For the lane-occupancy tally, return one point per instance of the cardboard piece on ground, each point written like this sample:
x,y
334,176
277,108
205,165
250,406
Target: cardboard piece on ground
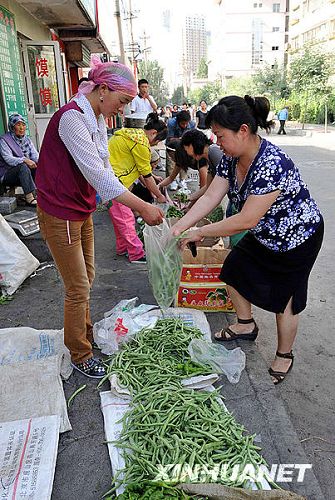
x,y
31,365
28,451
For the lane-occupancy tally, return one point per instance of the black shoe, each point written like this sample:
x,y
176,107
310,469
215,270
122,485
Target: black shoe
x,y
92,368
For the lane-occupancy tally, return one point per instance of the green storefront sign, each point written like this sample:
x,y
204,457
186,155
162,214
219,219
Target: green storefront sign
x,y
10,68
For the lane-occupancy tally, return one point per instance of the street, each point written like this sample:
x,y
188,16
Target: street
x,y
308,392
83,468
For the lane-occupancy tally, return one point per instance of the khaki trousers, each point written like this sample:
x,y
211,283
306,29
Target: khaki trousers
x,y
71,244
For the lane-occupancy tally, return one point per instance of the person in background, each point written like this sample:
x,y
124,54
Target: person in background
x,y
73,166
144,103
176,127
175,111
201,116
182,163
270,265
18,160
190,109
129,155
199,147
282,117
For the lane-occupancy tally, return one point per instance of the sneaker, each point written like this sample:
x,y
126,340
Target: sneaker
x,y
92,368
142,260
173,186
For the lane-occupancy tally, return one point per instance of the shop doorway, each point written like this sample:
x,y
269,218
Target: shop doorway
x,y
45,84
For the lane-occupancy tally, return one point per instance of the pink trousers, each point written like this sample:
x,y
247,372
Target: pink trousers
x,y
127,240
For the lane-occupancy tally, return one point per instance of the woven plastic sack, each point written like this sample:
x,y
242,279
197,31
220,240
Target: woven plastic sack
x,y
164,262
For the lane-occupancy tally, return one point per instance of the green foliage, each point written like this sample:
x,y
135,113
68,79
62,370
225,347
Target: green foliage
x,y
271,82
154,73
240,86
211,93
202,69
178,96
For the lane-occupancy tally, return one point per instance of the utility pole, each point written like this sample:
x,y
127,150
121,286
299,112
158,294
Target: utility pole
x,y
117,14
132,39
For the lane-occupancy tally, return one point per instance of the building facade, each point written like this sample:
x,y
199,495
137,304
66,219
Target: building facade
x,y
194,43
248,35
312,22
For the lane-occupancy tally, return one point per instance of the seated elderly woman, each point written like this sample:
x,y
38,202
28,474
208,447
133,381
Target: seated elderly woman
x,y
18,159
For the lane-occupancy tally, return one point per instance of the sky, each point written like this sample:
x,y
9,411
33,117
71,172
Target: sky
x,y
165,46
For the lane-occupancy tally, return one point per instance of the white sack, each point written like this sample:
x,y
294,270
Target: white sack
x,y
16,262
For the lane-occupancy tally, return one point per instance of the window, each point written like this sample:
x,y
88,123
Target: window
x,y
276,7
275,28
275,47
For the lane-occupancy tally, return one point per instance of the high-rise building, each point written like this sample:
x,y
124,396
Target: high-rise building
x,y
312,22
248,35
194,43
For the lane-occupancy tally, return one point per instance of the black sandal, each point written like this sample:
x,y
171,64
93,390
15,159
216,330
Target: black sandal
x,y
237,336
280,376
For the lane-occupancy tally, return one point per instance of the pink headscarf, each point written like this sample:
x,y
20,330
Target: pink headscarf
x,y
116,76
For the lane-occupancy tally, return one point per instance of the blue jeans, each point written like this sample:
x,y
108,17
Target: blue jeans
x,y
21,175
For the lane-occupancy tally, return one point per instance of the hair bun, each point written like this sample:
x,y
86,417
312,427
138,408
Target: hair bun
x,y
250,101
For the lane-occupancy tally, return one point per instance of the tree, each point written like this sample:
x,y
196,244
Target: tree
x,y
211,93
309,76
178,96
240,86
202,69
154,73
271,81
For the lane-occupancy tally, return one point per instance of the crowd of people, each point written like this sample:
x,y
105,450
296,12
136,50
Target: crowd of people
x,y
279,224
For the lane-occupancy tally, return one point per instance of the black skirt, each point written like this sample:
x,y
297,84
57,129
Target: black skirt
x,y
269,279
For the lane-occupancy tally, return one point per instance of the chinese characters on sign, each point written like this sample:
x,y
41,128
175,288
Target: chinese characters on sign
x,y
42,66
10,66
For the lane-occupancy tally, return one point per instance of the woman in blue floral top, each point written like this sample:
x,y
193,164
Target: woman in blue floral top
x,y
270,266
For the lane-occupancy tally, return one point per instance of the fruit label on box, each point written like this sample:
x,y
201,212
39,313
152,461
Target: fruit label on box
x,y
206,297
200,273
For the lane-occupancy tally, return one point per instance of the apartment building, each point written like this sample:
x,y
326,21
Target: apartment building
x,y
248,34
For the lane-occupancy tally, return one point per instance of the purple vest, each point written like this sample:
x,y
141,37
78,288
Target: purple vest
x,y
62,190
16,150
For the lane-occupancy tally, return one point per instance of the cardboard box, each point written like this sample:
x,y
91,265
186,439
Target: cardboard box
x,y
200,286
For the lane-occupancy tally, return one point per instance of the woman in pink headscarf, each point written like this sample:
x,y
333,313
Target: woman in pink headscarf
x,y
73,166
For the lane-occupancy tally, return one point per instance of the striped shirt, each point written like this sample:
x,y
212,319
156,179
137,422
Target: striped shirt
x,y
85,137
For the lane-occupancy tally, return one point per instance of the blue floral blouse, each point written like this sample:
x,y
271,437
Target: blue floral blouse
x,y
294,216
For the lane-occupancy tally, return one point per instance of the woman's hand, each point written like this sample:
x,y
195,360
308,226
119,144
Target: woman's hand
x,y
157,178
30,163
152,215
192,235
161,199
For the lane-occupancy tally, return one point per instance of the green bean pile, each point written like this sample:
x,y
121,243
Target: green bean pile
x,y
170,424
157,357
173,211
158,490
183,427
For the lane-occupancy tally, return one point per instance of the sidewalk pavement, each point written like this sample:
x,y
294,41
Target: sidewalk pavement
x,y
83,469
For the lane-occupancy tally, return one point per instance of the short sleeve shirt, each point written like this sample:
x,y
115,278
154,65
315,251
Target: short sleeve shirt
x,y
214,157
294,216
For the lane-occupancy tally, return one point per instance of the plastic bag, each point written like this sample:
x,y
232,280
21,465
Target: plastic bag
x,y
121,323
164,262
230,362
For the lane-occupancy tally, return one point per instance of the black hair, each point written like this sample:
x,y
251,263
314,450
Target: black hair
x,y
233,111
154,123
83,79
202,100
182,159
183,116
196,139
143,80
